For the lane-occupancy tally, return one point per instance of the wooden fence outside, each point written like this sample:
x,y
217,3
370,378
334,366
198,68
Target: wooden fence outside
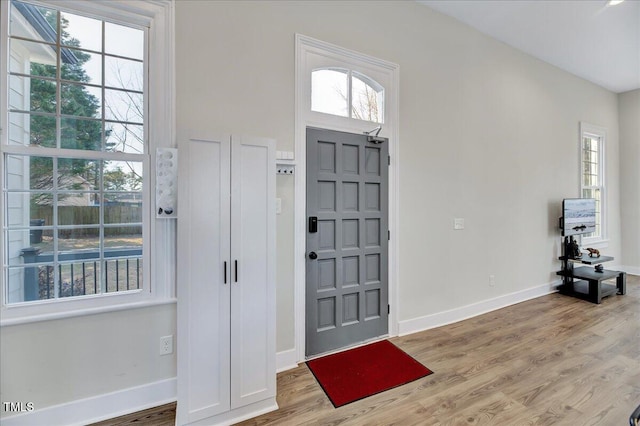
x,y
89,215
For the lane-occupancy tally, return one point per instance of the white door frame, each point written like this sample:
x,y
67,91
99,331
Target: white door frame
x,y
308,52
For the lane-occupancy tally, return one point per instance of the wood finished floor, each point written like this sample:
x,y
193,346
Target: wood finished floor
x,y
554,360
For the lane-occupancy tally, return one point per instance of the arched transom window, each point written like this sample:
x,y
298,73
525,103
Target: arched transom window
x,y
347,93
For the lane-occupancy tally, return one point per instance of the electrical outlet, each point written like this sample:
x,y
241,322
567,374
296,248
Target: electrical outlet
x,y
458,223
492,280
166,345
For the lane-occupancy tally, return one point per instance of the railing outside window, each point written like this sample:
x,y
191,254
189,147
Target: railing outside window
x,y
122,270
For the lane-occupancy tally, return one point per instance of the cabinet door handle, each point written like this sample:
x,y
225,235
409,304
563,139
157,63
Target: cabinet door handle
x,y
225,272
236,272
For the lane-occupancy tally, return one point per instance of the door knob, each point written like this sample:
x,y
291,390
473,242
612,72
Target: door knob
x,y
313,255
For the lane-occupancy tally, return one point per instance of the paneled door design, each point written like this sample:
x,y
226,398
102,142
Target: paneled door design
x,y
226,279
347,240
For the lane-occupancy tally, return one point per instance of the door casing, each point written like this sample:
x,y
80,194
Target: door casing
x,y
386,73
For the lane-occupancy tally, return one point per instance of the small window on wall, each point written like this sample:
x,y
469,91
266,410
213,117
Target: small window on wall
x,y
346,93
592,145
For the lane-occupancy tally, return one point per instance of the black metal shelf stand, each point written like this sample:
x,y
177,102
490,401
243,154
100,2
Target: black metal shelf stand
x,y
585,282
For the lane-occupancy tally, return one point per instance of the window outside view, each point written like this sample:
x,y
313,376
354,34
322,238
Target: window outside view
x,y
334,89
591,177
74,162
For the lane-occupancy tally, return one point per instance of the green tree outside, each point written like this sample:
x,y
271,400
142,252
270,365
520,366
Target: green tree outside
x,y
83,133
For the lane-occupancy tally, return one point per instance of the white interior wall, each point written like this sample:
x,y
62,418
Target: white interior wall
x,y
629,111
60,361
487,133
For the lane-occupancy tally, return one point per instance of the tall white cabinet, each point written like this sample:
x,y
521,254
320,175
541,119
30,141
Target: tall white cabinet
x,y
226,279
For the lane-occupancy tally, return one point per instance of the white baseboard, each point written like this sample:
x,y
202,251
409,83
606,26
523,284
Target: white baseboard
x,y
100,407
633,270
458,314
286,360
127,401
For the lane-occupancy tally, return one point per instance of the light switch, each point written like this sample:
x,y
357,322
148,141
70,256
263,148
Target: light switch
x,y
458,223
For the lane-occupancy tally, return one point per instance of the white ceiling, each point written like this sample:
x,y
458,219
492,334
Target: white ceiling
x,y
587,38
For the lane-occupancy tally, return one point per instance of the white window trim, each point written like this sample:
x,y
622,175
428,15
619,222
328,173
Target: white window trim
x,y
587,129
159,282
387,73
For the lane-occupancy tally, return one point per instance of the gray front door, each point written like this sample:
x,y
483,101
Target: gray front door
x,y
347,243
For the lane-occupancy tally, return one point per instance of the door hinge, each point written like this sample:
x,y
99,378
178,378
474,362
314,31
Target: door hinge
x,y
388,235
388,309
389,160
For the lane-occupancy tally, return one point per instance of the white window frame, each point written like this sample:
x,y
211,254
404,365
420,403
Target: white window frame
x,y
159,244
600,133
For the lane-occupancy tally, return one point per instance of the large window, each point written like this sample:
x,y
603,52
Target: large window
x,y
74,162
75,151
592,145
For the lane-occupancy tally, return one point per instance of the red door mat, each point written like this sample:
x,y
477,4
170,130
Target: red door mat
x,y
361,372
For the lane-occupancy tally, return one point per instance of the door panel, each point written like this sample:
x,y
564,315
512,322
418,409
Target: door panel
x,y
253,285
346,267
203,294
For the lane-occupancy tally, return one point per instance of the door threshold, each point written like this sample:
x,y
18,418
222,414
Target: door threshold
x,y
346,348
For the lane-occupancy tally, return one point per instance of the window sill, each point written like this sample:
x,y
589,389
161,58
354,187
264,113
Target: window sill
x,y
26,319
